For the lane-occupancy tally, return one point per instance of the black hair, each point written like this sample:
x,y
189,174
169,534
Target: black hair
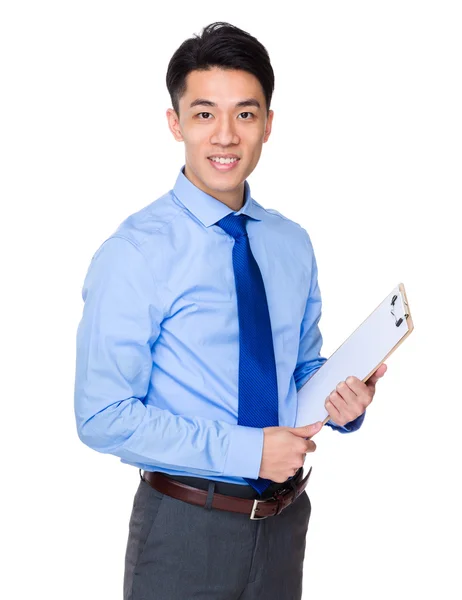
x,y
220,45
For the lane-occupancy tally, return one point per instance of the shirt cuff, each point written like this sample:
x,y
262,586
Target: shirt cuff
x,y
348,427
245,452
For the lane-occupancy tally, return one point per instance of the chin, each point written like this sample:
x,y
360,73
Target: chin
x,y
216,181
235,177
223,186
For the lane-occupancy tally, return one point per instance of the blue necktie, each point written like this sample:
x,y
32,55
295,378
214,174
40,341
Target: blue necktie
x,y
258,392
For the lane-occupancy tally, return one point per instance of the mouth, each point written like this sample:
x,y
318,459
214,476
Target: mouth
x,y
223,163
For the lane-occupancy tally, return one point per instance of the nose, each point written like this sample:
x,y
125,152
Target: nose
x,y
224,132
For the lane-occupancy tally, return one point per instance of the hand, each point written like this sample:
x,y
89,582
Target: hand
x,y
285,449
351,397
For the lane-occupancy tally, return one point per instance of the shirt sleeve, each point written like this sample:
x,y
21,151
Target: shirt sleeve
x,y
348,427
309,358
309,355
121,322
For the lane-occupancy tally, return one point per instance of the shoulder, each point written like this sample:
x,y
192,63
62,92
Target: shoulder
x,y
155,218
282,225
150,224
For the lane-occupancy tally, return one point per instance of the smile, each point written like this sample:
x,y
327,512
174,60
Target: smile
x,y
223,164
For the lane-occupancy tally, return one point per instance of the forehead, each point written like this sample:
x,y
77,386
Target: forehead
x,y
224,87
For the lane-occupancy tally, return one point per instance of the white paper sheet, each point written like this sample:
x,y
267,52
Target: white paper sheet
x,y
366,348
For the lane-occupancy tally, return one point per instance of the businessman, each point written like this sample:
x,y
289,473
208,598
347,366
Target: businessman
x,y
200,324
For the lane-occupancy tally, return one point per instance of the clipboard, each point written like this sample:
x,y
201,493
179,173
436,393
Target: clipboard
x,y
360,355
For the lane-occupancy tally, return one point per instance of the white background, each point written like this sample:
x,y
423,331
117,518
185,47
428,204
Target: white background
x,y
365,154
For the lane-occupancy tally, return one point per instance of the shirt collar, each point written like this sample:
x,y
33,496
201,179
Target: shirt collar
x,y
206,208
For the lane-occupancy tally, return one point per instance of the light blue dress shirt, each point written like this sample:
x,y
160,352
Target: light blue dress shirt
x,y
157,357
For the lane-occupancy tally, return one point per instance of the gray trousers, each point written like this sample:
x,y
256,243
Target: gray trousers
x,y
178,551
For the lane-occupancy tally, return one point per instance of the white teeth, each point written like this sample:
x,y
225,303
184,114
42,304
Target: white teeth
x,y
224,161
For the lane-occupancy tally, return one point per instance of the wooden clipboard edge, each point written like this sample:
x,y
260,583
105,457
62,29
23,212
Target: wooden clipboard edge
x,y
410,324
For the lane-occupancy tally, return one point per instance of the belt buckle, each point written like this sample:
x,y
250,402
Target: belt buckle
x,y
255,508
277,496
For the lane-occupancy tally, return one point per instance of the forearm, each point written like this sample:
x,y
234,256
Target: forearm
x,y
151,436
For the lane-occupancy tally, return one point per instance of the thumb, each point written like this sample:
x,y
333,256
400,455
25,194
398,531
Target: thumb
x,y
380,372
307,431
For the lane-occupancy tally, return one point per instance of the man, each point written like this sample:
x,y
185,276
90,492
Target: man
x,y
199,326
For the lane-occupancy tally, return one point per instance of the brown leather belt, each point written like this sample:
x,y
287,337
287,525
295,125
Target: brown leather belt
x,y
256,509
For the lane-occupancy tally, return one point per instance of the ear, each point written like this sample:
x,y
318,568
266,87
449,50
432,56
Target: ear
x,y
174,124
269,124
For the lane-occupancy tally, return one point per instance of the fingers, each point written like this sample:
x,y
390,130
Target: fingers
x,y
307,447
351,398
340,412
332,409
341,399
310,446
307,431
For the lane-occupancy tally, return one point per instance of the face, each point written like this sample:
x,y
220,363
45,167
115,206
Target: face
x,y
222,114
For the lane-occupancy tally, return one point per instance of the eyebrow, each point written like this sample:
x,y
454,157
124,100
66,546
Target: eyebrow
x,y
243,103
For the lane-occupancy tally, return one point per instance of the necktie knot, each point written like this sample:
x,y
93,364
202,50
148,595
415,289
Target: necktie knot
x,y
234,225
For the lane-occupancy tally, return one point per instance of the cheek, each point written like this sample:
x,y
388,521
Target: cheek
x,y
194,140
256,136
195,137
195,150
255,152
257,140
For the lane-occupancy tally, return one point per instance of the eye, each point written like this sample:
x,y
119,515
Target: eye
x,y
204,113
247,113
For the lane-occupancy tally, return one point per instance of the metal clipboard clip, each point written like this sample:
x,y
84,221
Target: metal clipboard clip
x,y
406,309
